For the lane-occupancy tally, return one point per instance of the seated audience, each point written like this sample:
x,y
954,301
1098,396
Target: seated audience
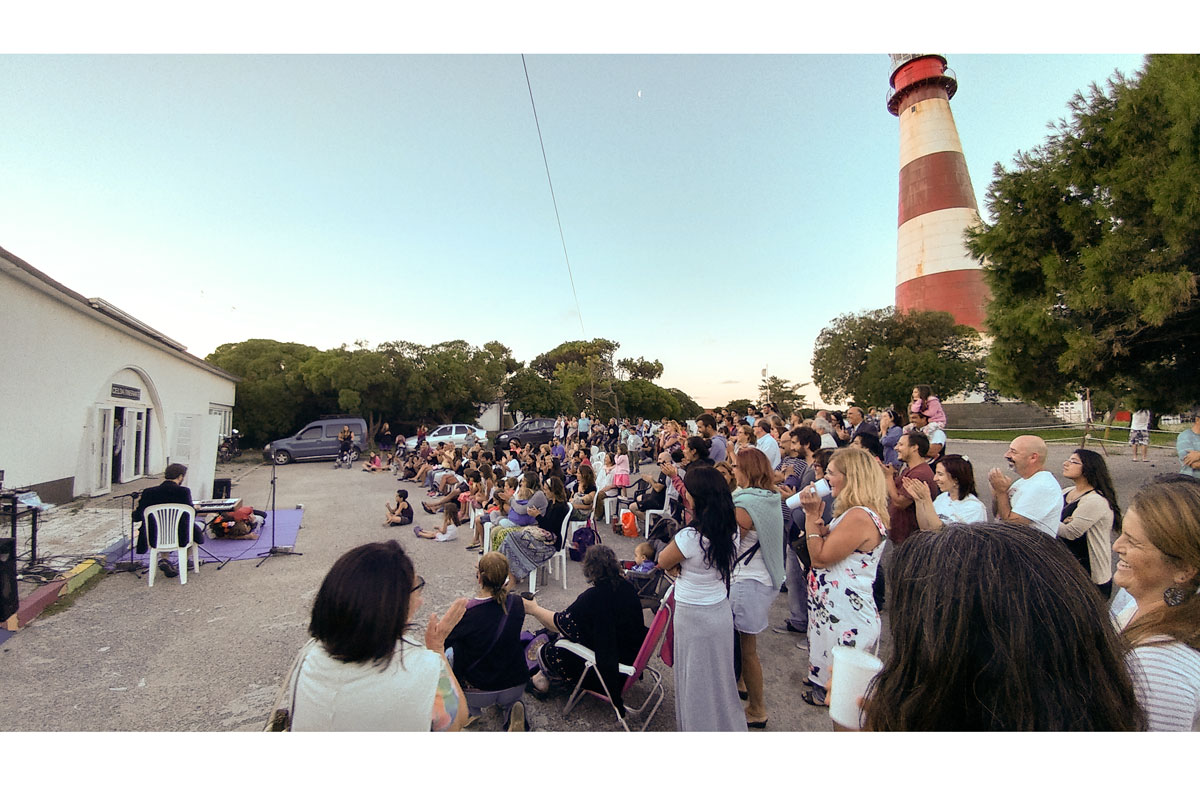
x,y
362,673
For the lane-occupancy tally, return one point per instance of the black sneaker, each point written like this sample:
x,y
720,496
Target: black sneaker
x,y
168,568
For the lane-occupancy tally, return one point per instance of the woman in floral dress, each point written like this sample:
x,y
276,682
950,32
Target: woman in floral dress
x,y
845,555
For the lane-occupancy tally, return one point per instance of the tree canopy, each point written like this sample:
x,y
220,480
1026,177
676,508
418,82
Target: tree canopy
x,y
284,385
1094,252
875,358
785,394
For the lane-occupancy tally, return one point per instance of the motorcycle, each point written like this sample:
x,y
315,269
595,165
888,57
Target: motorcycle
x,y
229,448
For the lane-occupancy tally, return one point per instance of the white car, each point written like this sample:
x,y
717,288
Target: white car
x,y
455,433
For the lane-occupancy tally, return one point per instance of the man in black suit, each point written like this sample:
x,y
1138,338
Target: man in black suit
x,y
171,490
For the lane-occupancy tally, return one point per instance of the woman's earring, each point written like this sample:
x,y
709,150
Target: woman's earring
x,y
1174,596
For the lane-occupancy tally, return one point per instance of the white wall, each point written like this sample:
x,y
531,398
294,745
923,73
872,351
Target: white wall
x,y
58,360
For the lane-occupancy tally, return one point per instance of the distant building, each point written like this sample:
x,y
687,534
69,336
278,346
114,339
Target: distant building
x,y
92,398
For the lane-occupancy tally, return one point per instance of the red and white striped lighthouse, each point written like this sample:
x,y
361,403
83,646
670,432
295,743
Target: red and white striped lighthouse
x,y
934,270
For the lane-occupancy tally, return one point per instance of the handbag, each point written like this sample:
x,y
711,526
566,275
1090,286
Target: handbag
x,y
280,720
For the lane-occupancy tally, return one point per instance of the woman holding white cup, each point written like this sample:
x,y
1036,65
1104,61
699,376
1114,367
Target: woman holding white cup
x,y
846,553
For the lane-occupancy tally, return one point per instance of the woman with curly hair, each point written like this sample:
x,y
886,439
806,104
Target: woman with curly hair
x,y
845,556
995,628
706,695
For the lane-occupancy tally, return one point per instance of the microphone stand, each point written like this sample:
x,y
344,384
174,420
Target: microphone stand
x,y
131,565
274,551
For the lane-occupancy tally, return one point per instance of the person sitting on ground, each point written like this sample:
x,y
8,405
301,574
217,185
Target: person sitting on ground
x,y
607,617
957,502
1048,662
374,463
485,647
402,513
1158,568
448,530
362,673
468,489
243,522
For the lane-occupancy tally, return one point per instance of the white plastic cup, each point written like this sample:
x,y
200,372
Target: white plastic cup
x,y
852,672
822,488
793,502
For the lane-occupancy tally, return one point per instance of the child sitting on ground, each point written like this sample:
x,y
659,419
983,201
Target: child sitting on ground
x,y
448,530
643,557
402,514
374,464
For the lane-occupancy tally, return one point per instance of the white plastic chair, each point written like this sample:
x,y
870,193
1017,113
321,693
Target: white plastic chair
x,y
656,512
165,521
487,537
569,527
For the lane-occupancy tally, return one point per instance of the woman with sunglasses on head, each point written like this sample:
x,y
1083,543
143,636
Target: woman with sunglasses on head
x,y
1158,567
1090,515
362,672
703,554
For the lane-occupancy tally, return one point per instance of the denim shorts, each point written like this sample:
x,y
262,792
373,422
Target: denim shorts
x,y
751,601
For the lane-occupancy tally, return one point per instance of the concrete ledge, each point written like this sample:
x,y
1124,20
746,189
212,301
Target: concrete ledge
x,y
79,574
35,603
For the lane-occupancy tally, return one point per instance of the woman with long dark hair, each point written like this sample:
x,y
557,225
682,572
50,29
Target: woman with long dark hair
x,y
994,628
361,672
1159,567
958,502
706,696
1090,515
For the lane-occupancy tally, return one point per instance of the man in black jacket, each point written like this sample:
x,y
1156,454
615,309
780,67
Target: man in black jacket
x,y
171,490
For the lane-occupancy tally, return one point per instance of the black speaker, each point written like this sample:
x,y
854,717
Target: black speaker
x,y
222,488
10,601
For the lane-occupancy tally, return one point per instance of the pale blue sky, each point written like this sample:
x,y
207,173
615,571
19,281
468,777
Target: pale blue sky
x,y
716,223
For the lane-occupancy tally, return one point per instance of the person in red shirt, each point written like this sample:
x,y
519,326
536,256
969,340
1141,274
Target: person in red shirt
x,y
912,448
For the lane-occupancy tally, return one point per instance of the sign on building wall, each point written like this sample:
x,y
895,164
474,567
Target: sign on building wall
x,y
126,392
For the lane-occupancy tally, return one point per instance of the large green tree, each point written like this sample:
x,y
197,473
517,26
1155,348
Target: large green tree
x,y
1094,253
783,393
272,398
875,358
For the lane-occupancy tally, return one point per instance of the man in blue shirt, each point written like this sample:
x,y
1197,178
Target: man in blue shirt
x,y
706,426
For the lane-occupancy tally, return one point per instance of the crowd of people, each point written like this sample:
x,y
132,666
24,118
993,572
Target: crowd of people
x,y
1002,618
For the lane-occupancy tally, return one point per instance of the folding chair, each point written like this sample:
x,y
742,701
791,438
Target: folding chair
x,y
632,673
165,521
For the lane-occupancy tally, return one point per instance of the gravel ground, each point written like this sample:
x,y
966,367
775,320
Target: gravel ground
x,y
210,656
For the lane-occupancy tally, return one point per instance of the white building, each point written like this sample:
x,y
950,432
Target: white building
x,y
90,397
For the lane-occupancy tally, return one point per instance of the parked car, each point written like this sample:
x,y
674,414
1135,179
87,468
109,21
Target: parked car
x,y
315,440
536,430
453,432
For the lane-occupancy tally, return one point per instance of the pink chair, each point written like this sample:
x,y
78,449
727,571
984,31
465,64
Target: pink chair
x,y
632,673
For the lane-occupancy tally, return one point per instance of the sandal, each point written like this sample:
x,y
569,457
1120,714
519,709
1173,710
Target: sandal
x,y
808,698
425,506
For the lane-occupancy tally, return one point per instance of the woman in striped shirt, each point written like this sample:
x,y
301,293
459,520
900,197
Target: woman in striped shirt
x,y
1159,566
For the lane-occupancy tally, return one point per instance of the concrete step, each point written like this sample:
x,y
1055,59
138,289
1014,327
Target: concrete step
x,y
982,416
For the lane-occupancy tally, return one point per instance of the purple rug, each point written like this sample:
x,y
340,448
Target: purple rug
x,y
287,527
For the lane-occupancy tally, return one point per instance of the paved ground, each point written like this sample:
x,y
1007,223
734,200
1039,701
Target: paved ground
x,y
209,656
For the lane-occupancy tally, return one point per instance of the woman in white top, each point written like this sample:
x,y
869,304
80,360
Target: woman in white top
x,y
360,673
1159,566
702,555
1090,515
958,502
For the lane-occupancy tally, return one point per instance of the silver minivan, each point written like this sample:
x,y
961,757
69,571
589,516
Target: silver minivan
x,y
316,440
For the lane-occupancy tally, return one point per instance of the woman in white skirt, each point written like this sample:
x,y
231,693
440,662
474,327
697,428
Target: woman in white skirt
x,y
706,696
